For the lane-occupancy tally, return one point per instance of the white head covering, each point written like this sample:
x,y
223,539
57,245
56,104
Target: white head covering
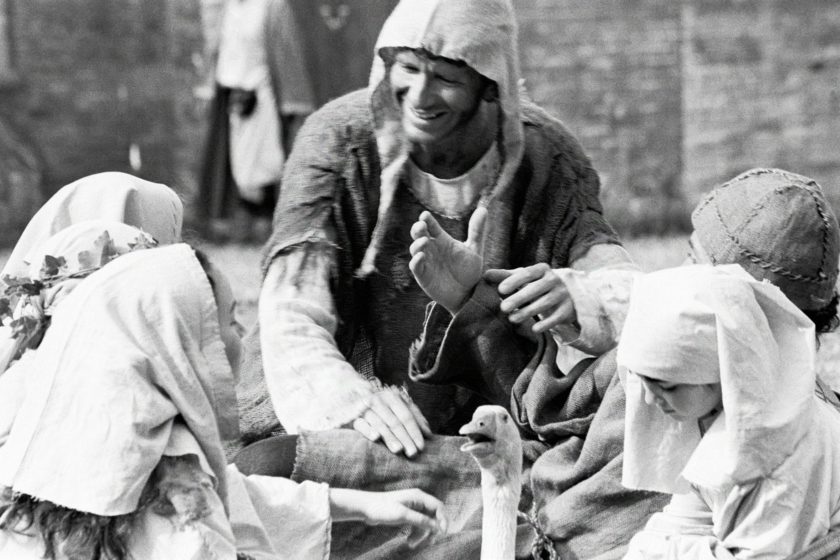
x,y
113,196
703,324
81,246
481,33
135,346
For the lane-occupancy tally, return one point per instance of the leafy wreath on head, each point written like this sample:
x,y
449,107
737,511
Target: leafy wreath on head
x,y
23,305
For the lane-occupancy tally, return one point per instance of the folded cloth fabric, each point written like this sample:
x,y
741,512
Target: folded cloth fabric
x,y
731,329
152,207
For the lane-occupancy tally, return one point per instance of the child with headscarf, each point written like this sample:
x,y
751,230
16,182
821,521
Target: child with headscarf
x,y
116,451
719,373
112,196
57,266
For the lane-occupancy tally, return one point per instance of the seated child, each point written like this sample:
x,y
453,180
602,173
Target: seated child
x,y
719,374
116,449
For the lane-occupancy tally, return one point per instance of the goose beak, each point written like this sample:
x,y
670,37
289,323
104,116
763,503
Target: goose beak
x,y
480,437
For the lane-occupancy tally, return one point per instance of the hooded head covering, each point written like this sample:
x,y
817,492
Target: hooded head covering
x,y
83,248
113,196
778,226
703,324
135,345
481,33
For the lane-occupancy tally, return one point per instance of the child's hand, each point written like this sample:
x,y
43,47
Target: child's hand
x,y
414,508
531,291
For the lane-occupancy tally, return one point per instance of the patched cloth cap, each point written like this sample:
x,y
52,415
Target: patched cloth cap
x,y
779,227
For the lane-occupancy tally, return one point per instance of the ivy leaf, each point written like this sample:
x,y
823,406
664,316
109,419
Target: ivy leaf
x,y
142,242
86,260
52,266
23,326
24,286
106,248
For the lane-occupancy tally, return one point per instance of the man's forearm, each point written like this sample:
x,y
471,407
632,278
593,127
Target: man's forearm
x,y
311,384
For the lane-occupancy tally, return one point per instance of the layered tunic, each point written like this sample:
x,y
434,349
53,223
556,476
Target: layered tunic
x,y
346,208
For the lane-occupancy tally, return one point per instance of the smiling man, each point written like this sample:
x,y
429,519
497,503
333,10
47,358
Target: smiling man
x,y
440,130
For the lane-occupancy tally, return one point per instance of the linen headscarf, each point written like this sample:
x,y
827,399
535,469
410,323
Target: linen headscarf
x,y
704,324
481,33
113,196
69,243
135,346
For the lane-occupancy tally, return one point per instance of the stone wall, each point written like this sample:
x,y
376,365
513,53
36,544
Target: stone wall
x,y
96,76
761,84
667,97
610,69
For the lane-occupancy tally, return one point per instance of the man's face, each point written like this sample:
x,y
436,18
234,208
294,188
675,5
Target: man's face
x,y
438,98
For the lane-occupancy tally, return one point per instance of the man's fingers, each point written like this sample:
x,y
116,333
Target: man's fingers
x,y
425,428
363,427
475,230
378,424
545,304
417,264
565,313
404,416
419,245
419,229
525,296
395,425
496,275
433,226
522,276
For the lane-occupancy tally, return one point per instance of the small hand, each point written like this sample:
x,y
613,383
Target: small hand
x,y
414,508
446,269
531,291
396,420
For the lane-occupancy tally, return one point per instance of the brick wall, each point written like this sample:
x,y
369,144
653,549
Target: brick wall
x,y
667,97
610,69
761,87
96,76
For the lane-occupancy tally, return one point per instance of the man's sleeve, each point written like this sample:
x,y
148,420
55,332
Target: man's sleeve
x,y
311,384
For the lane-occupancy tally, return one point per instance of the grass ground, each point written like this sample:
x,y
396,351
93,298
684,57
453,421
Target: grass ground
x,y
241,264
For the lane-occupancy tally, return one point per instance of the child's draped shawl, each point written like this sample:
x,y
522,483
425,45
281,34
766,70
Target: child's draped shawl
x,y
69,243
703,324
113,196
135,346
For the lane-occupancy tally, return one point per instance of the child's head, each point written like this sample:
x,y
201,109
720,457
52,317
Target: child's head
x,y
133,358
681,401
779,227
699,340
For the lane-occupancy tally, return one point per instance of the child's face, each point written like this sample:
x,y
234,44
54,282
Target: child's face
x,y
682,401
231,330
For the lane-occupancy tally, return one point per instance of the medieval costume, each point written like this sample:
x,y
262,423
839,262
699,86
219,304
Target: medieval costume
x,y
765,465
341,306
118,439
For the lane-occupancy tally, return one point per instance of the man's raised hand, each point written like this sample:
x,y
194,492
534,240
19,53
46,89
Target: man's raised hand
x,y
445,268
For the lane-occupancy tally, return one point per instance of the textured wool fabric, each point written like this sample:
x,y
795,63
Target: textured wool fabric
x,y
572,423
113,196
703,324
767,220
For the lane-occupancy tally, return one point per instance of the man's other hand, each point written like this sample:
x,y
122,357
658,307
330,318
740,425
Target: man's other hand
x,y
446,269
394,418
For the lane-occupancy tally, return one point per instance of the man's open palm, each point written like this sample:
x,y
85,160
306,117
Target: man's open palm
x,y
445,268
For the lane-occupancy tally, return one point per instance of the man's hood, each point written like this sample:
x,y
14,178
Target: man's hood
x,y
481,33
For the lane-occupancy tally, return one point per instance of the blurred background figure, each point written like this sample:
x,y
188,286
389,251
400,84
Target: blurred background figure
x,y
277,61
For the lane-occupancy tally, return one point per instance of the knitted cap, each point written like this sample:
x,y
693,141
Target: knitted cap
x,y
779,227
